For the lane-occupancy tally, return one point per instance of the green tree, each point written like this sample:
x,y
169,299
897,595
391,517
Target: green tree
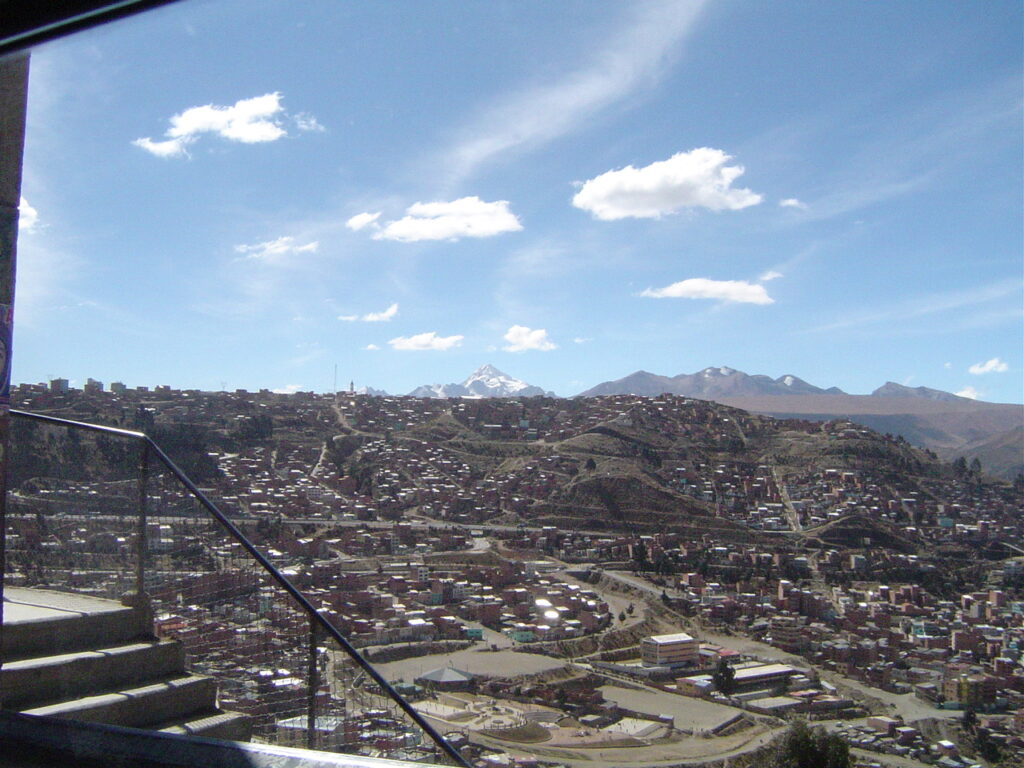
x,y
987,748
804,747
724,677
969,720
640,556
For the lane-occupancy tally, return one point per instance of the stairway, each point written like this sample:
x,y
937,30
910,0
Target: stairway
x,y
84,658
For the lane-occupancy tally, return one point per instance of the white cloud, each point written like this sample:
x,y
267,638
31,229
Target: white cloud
x,y
995,365
768,276
306,122
701,288
169,148
288,389
372,317
362,221
422,341
371,347
699,178
28,217
581,340
520,339
275,249
792,202
968,392
642,48
381,317
465,217
947,366
249,121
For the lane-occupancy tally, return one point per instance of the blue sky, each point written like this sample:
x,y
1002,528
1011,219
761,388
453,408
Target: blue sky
x,y
248,194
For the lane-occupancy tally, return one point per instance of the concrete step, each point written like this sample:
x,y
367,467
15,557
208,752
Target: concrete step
x,y
40,622
141,706
65,676
70,744
214,724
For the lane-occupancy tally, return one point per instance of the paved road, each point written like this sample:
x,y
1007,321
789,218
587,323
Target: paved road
x,y
791,514
688,750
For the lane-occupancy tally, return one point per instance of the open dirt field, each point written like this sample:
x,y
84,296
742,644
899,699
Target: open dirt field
x,y
694,715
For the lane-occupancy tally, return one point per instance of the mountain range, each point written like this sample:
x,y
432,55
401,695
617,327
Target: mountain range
x,y
716,383
713,383
707,384
945,423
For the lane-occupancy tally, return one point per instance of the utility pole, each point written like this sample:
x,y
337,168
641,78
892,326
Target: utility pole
x,y
13,103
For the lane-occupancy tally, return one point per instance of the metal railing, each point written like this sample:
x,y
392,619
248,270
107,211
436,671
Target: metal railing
x,y
276,651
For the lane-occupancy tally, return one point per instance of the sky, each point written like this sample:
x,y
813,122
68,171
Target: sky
x,y
256,194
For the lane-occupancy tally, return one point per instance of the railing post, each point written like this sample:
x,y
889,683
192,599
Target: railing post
x,y
312,687
137,598
141,548
13,100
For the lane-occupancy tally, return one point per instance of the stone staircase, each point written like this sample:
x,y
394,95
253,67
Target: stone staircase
x,y
87,659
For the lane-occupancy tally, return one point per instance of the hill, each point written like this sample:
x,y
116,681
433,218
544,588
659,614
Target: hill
x,y
942,422
636,464
590,467
990,432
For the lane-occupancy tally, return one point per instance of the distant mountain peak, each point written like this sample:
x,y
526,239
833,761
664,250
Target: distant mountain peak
x,y
487,370
892,389
490,377
485,381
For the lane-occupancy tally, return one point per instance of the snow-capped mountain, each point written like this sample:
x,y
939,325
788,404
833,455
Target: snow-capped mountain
x,y
370,391
486,381
707,384
437,390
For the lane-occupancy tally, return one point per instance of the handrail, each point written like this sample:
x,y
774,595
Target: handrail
x,y
79,424
31,23
280,578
